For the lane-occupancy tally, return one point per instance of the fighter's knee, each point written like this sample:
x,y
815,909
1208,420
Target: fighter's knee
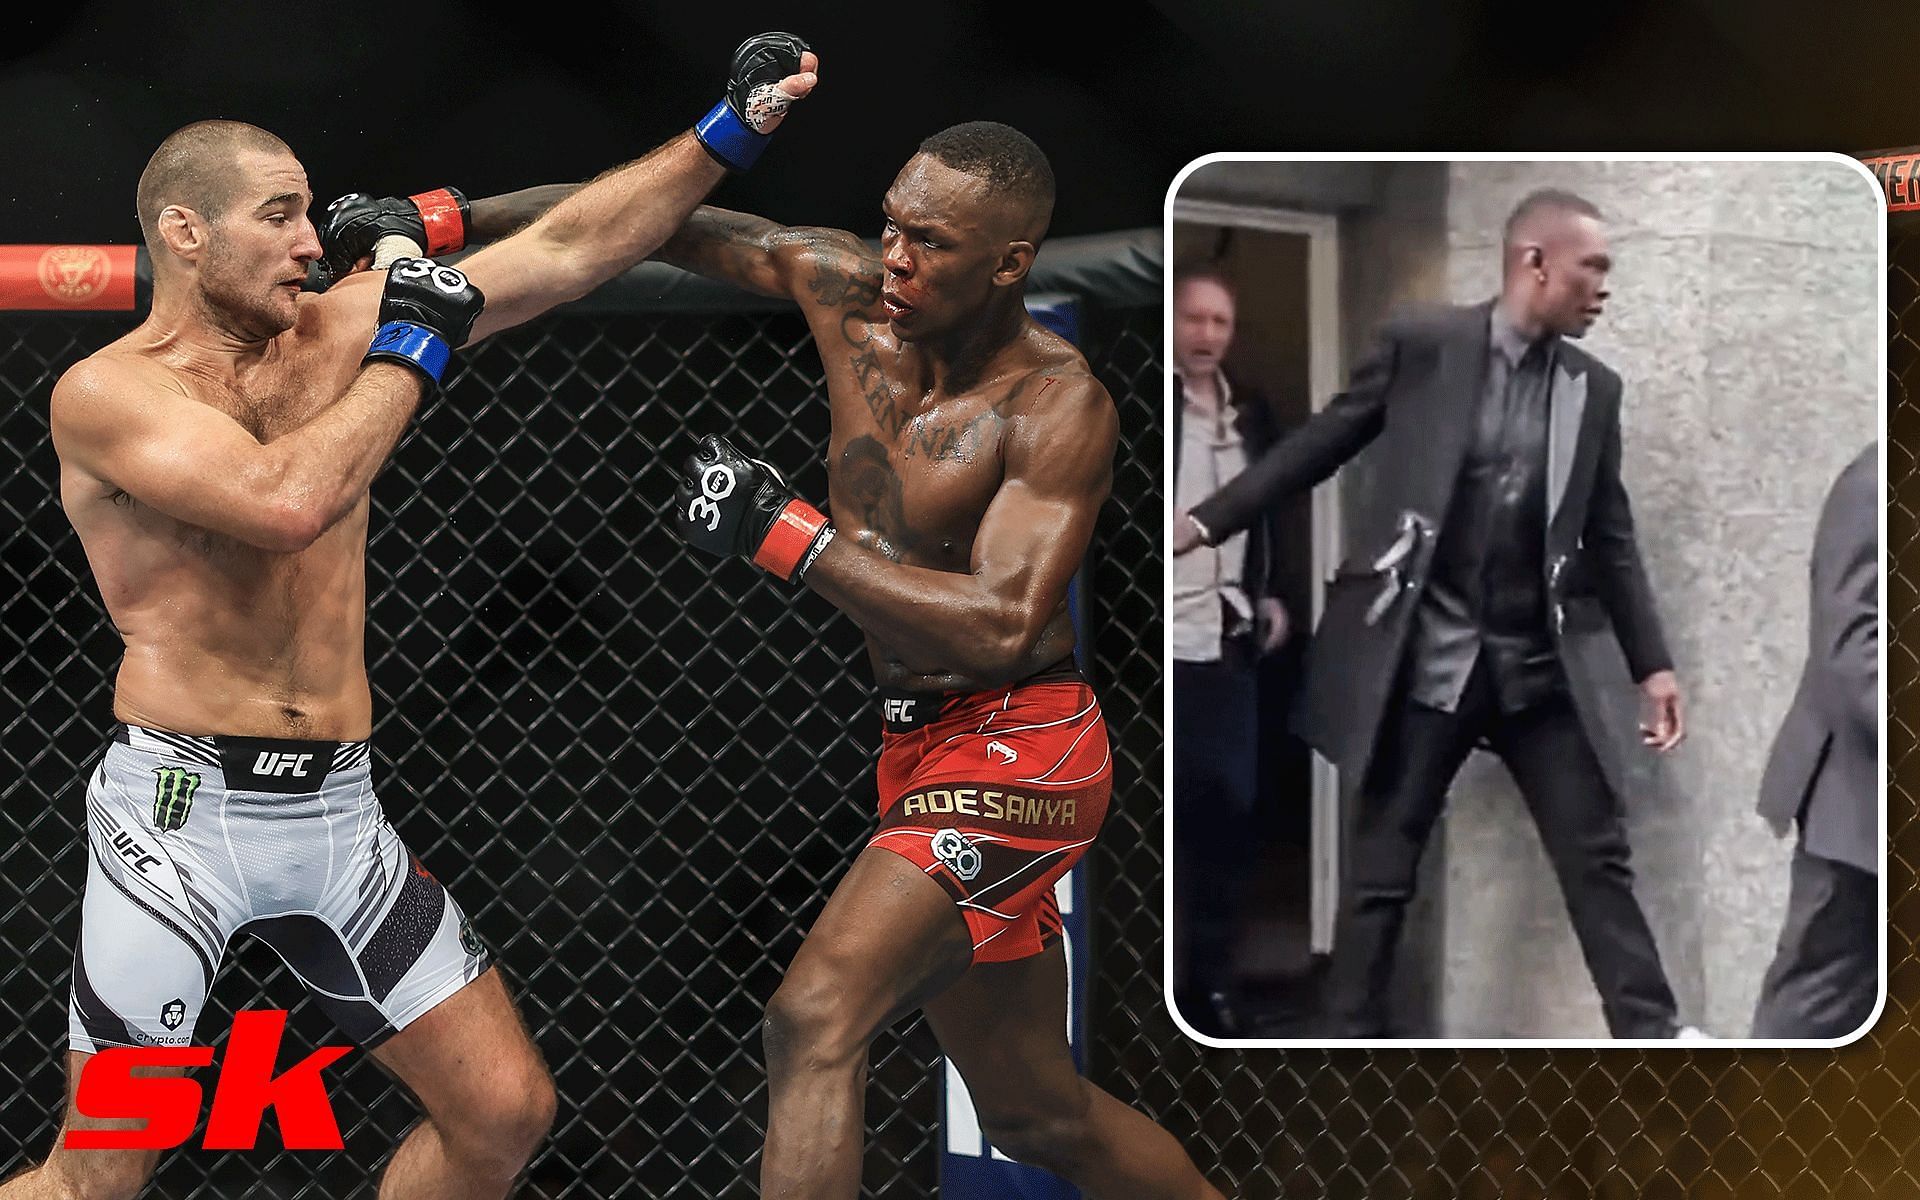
x,y
805,1025
537,1111
499,1134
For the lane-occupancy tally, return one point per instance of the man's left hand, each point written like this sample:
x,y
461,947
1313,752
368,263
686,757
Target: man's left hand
x,y
1186,535
1270,618
1663,721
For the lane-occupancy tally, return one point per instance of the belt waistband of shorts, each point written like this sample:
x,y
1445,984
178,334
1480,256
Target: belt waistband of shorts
x,y
903,711
253,764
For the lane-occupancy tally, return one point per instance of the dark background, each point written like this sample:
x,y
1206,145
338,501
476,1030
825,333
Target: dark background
x,y
396,96
399,97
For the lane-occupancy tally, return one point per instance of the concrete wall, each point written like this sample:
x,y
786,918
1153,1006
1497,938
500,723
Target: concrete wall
x,y
1745,321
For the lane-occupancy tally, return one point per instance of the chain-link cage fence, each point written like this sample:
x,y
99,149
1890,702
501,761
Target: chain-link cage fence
x,y
640,772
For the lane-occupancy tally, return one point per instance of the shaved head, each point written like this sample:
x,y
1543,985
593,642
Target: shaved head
x,y
1015,169
198,167
1539,213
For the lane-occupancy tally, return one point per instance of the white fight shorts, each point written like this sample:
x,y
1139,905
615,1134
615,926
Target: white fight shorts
x,y
193,839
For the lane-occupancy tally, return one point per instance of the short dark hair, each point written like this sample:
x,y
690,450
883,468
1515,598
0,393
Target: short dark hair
x,y
1007,159
1211,270
193,166
1543,200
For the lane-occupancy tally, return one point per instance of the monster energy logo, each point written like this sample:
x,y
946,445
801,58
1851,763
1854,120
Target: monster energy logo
x,y
173,797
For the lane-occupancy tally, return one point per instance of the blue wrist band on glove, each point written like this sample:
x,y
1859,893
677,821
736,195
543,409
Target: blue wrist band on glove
x,y
729,139
415,345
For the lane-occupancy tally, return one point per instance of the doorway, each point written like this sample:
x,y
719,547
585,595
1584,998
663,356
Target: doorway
x,y
1286,347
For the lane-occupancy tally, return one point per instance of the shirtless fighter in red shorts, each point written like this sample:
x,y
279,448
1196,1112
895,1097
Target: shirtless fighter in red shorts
x,y
969,456
970,452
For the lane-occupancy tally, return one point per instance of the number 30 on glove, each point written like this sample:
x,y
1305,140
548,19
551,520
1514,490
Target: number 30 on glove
x,y
728,503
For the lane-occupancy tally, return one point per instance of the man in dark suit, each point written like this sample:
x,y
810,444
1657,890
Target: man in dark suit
x,y
1224,614
1499,524
1824,774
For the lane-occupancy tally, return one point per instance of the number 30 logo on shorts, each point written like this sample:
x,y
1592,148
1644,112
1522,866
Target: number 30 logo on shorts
x,y
957,853
716,483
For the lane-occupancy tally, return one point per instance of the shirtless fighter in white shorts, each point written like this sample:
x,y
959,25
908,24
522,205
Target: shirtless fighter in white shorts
x,y
215,463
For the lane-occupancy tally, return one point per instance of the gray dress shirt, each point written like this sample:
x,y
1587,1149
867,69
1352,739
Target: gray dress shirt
x,y
1486,591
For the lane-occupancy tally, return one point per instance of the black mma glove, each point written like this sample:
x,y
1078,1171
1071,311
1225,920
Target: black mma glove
x,y
730,504
425,311
435,221
733,131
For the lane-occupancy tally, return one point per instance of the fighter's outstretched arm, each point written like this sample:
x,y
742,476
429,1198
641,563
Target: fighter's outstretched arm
x,y
749,252
599,229
772,259
491,218
983,624
592,235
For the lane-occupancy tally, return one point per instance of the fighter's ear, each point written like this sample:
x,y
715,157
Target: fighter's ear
x,y
183,231
1536,261
1015,261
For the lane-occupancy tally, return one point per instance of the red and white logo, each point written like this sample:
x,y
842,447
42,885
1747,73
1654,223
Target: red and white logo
x,y
74,274
1005,753
169,1106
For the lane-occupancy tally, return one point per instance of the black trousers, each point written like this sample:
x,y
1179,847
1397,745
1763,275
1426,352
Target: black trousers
x,y
1579,819
1215,773
1825,973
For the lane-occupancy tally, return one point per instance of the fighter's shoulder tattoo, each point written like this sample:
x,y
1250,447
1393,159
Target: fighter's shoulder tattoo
x,y
846,273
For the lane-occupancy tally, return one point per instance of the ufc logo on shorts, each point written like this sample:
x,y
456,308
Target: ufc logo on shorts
x,y
169,1106
275,763
446,279
716,483
900,710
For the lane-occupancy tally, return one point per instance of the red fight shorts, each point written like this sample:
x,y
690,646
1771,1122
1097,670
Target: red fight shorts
x,y
996,795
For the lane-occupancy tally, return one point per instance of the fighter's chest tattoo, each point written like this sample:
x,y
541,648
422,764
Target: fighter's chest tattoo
x,y
940,432
870,377
961,438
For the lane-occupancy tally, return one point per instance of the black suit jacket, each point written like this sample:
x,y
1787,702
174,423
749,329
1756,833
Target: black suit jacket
x,y
1825,764
1415,395
1253,420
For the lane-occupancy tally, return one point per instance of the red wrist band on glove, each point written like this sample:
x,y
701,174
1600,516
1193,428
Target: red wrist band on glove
x,y
794,532
443,212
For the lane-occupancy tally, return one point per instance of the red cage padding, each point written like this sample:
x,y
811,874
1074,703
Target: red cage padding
x,y
1899,176
67,277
